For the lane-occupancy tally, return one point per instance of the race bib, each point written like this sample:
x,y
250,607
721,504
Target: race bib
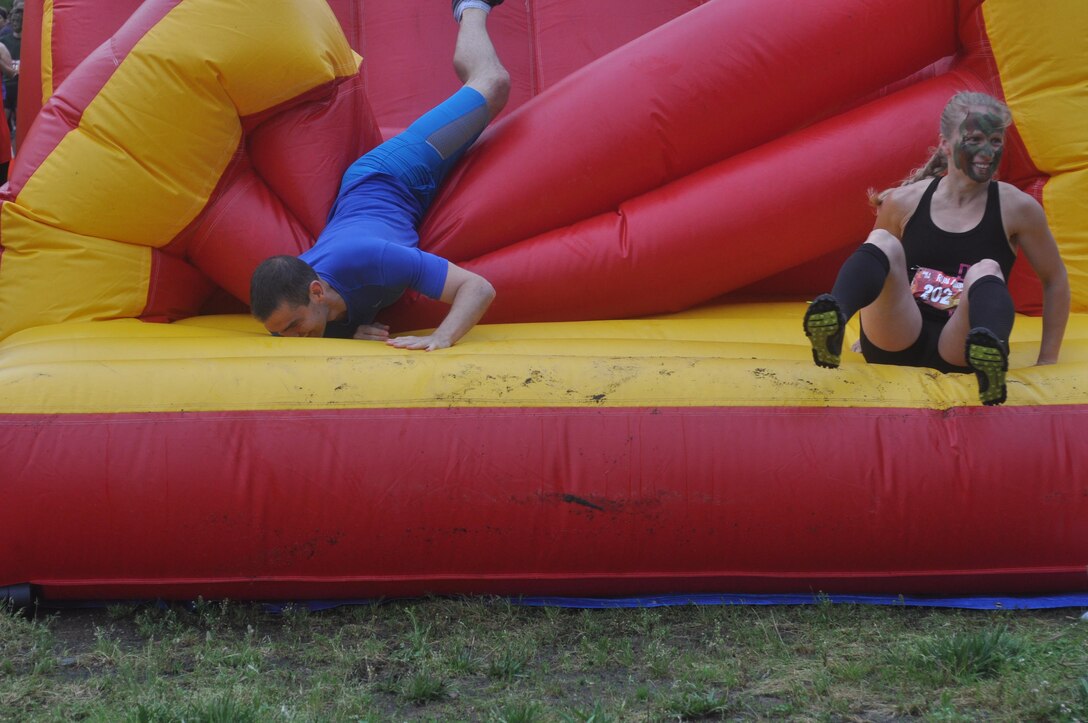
x,y
939,290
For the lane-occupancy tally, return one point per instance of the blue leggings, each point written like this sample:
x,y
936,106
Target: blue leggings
x,y
424,153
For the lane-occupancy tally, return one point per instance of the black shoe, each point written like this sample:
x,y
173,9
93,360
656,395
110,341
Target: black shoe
x,y
825,327
988,356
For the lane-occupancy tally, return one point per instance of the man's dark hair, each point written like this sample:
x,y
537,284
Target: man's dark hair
x,y
279,279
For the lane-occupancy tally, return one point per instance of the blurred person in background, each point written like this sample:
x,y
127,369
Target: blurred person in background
x,y
13,41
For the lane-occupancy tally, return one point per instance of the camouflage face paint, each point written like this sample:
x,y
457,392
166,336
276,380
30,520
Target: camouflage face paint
x,y
978,150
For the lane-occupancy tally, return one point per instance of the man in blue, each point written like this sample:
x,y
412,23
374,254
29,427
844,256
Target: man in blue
x,y
368,254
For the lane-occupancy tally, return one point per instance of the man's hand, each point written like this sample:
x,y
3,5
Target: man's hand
x,y
468,295
372,332
426,343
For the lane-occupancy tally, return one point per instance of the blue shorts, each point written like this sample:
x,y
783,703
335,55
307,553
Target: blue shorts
x,y
424,153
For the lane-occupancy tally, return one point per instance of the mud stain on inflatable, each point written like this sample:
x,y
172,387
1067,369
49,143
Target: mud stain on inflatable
x,y
585,503
534,376
771,377
618,374
592,506
305,549
461,384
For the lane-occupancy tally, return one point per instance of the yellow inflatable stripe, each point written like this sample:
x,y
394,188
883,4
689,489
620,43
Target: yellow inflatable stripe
x,y
112,278
150,202
47,50
275,51
1042,53
228,364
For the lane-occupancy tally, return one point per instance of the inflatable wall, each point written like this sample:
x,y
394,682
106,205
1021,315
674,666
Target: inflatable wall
x,y
640,414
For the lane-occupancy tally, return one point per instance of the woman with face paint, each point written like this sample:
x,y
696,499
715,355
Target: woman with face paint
x,y
930,280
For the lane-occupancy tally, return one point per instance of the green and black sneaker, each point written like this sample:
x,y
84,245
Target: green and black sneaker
x,y
825,327
989,358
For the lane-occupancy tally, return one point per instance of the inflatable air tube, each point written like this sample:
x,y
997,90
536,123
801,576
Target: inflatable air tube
x,y
695,452
721,79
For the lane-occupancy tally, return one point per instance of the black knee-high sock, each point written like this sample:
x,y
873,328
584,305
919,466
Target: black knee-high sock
x,y
861,279
990,306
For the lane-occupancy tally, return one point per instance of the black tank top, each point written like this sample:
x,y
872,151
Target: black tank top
x,y
951,252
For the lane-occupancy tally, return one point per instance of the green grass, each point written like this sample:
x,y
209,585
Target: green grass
x,y
488,660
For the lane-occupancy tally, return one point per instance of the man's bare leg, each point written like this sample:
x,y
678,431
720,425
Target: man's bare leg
x,y
477,64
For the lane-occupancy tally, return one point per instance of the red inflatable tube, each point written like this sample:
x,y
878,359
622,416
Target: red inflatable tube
x,y
243,224
301,153
717,230
269,202
174,289
640,117
1017,168
407,45
534,501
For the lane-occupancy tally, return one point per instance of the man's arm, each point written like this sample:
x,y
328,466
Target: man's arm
x,y
468,295
1034,238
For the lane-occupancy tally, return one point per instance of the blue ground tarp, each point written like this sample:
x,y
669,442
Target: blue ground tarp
x,y
971,603
1037,602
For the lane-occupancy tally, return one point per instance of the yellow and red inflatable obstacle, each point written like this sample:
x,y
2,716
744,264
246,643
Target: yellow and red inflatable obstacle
x,y
169,161
695,452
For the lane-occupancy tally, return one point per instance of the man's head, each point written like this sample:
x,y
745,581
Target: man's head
x,y
288,298
17,19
